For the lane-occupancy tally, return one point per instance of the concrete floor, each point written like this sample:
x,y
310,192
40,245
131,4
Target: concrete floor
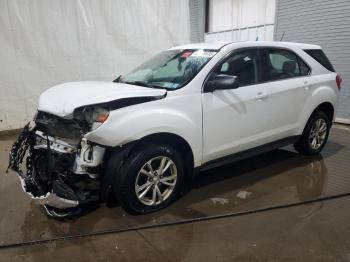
x,y
310,232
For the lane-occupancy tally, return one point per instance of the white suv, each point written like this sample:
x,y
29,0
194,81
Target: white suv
x,y
190,108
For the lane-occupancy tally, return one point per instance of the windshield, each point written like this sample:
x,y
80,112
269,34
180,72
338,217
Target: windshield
x,y
171,69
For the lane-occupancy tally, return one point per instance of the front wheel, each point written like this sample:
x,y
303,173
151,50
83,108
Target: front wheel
x,y
150,179
315,134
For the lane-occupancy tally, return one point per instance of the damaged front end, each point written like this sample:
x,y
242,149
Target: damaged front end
x,y
56,165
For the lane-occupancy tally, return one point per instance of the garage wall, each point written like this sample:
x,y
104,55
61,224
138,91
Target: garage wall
x,y
325,23
240,20
197,20
44,43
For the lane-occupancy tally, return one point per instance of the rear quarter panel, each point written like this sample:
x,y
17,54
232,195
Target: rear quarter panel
x,y
323,88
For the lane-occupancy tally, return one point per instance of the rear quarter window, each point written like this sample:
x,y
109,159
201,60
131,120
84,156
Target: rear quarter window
x,y
320,57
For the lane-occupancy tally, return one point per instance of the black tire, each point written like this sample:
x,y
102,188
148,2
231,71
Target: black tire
x,y
124,182
303,145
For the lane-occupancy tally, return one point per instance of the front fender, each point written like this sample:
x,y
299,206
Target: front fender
x,y
135,122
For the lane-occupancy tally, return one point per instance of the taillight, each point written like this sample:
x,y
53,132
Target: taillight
x,y
338,80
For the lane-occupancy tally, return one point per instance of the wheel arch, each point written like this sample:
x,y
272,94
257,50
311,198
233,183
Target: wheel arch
x,y
327,108
176,141
120,153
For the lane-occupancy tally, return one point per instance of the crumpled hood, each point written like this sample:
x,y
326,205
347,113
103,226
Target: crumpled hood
x,y
61,100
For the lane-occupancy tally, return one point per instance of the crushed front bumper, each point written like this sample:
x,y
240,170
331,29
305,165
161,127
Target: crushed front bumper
x,y
50,198
46,166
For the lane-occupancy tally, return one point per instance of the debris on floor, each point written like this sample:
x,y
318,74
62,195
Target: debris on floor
x,y
243,194
219,200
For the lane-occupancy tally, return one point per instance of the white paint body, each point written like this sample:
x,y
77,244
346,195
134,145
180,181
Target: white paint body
x,y
214,124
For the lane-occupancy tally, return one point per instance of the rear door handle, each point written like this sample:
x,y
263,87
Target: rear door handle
x,y
306,85
261,96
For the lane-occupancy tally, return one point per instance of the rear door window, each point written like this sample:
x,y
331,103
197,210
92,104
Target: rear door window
x,y
281,64
304,68
320,57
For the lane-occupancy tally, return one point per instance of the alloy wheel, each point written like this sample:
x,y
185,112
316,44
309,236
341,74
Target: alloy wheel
x,y
318,134
156,181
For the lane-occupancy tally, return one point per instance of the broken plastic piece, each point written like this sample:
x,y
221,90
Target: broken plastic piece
x,y
61,213
50,198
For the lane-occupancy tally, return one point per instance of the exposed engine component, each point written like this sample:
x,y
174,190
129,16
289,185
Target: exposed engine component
x,y
60,127
55,144
88,159
57,174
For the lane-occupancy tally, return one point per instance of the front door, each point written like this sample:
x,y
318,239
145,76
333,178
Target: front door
x,y
236,119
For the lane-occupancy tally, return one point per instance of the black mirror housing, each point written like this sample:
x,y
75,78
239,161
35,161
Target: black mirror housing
x,y
222,82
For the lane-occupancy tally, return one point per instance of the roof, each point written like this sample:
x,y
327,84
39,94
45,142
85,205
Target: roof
x,y
219,45
214,46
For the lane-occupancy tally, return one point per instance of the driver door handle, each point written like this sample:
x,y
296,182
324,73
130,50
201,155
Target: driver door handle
x,y
261,96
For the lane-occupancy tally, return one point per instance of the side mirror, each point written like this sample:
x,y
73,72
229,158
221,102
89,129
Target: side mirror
x,y
221,82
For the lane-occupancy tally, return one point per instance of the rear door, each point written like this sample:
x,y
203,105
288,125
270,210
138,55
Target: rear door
x,y
288,87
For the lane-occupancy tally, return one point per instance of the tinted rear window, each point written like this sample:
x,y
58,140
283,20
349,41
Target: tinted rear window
x,y
320,57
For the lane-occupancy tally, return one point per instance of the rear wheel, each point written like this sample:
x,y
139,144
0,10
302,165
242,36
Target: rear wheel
x,y
150,179
315,134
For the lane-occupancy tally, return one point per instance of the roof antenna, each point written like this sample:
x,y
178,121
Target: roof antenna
x,y
282,36
257,38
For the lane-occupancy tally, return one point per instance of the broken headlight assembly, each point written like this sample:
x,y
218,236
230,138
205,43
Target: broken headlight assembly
x,y
91,117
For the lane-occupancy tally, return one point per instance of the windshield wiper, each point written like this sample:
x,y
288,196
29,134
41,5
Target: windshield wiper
x,y
140,83
117,79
